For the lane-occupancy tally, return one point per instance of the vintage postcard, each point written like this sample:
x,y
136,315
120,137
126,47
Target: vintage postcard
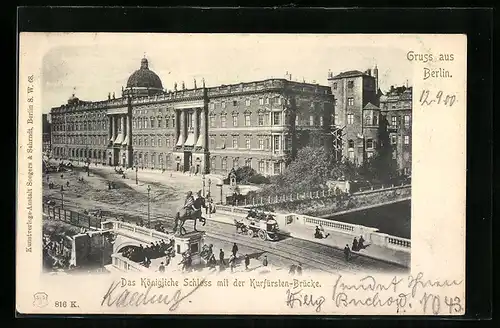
x,y
241,174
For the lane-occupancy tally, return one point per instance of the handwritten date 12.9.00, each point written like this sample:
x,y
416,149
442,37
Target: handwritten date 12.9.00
x,y
429,98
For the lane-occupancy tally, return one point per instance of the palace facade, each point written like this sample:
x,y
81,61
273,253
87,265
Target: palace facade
x,y
259,124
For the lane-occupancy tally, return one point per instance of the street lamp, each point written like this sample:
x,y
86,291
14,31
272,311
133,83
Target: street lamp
x,y
62,197
149,216
136,169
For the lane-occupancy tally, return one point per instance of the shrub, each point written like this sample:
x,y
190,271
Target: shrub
x,y
258,179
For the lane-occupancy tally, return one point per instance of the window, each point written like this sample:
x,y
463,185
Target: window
x,y
173,123
224,164
276,118
369,143
248,162
235,143
261,144
212,121
261,119
277,168
235,120
369,154
212,105
235,162
311,120
261,101
350,101
350,143
153,141
212,143
247,102
375,119
159,121
321,120
394,155
278,100
261,166
152,122
166,122
350,118
267,101
247,119
350,84
190,121
223,121
223,143
351,155
276,143
235,103
394,121
368,120
159,142
288,143
133,124
167,142
335,86
393,140
223,104
247,143
145,123
268,143
146,142
212,163
407,140
406,120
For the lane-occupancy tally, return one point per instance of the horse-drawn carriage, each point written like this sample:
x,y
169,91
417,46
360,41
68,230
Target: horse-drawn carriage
x,y
258,224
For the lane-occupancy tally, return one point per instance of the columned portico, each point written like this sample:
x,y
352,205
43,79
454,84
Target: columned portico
x,y
191,150
120,147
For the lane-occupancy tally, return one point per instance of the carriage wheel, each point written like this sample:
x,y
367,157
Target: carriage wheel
x,y
250,233
262,235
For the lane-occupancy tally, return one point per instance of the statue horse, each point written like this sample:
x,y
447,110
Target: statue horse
x,y
195,215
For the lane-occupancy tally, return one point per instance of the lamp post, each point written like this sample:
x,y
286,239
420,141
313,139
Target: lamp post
x,y
136,169
62,197
209,184
149,216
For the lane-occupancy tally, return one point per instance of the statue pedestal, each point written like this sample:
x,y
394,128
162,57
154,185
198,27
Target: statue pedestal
x,y
192,242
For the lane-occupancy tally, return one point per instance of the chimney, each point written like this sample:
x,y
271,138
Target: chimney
x,y
369,72
375,75
392,88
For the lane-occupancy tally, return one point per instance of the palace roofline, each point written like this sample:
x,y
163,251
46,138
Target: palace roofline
x,y
199,93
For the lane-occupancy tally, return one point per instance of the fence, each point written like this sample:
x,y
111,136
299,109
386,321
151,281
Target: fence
x,y
312,195
71,217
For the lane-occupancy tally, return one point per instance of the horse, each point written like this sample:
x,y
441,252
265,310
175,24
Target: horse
x,y
194,215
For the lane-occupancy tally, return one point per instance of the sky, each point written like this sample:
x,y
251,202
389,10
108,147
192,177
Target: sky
x,y
92,65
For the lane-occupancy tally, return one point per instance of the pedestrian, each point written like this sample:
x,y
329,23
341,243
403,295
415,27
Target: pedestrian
x,y
247,261
361,242
232,262
355,245
67,183
298,269
235,249
221,257
161,268
347,252
264,262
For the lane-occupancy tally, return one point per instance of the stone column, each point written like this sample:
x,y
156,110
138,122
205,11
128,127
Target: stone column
x,y
203,127
113,128
182,126
177,126
122,121
110,127
195,123
129,130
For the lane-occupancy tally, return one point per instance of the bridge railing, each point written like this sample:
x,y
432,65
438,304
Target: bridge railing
x,y
113,225
124,264
71,217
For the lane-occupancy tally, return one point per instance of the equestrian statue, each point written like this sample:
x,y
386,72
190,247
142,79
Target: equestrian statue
x,y
192,210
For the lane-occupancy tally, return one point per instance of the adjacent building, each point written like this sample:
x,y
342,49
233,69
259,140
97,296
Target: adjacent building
x,y
259,124
396,108
357,114
46,131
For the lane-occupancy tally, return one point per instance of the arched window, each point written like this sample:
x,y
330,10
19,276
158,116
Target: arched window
x,y
350,143
375,119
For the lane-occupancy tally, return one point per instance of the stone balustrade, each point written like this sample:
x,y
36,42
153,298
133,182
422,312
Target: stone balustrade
x,y
124,264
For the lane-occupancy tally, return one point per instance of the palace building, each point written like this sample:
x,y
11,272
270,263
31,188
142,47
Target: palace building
x,y
259,124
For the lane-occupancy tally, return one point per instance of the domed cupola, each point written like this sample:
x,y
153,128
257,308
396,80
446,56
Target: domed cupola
x,y
143,82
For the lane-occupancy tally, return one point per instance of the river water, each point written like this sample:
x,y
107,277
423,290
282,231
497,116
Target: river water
x,y
393,219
